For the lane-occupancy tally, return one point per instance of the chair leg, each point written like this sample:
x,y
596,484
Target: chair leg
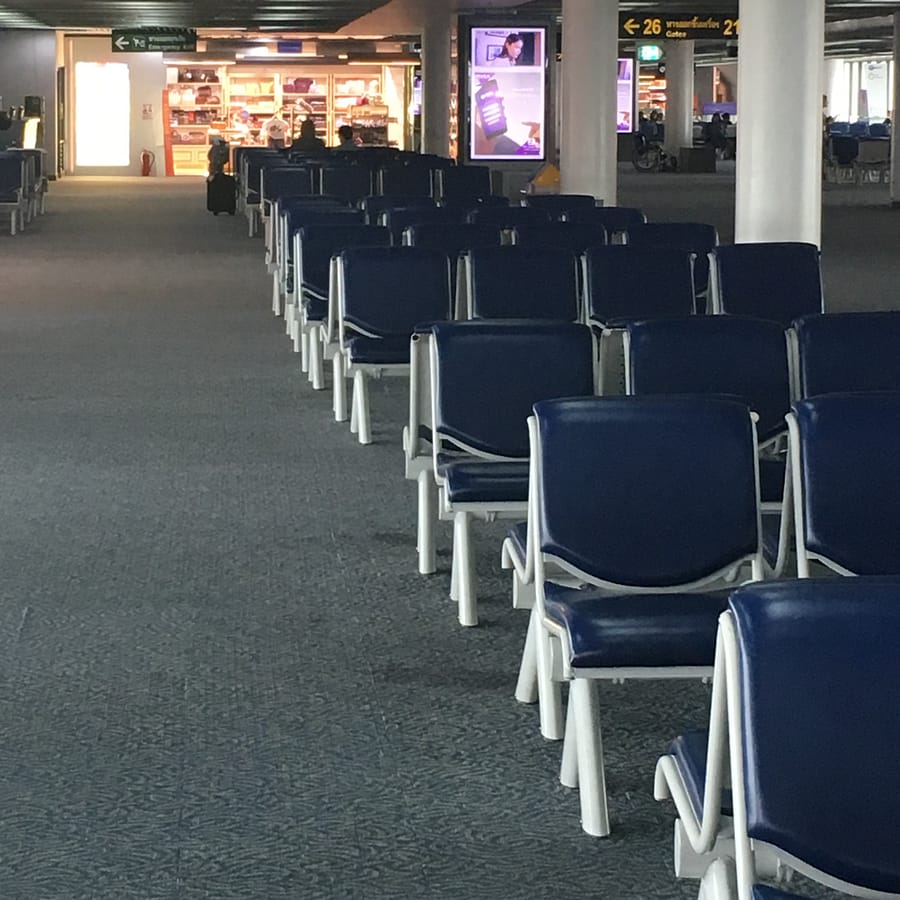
x,y
361,405
526,686
305,335
465,572
589,749
276,295
339,388
568,767
354,411
315,361
295,331
549,691
427,514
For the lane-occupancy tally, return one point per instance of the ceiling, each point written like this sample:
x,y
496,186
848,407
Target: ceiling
x,y
324,16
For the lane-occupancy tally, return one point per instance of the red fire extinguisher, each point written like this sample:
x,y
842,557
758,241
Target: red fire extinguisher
x,y
148,158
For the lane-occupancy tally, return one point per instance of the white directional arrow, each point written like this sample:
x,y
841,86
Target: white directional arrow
x,y
121,42
631,26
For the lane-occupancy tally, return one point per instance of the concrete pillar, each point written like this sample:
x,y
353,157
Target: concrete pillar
x,y
895,126
588,143
779,129
679,119
436,33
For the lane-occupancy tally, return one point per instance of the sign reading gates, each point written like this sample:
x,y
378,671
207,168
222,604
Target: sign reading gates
x,y
677,27
154,40
506,93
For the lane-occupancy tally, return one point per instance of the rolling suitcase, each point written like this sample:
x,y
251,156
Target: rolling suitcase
x,y
220,194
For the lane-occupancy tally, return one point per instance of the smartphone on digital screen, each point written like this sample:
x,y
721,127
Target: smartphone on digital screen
x,y
490,108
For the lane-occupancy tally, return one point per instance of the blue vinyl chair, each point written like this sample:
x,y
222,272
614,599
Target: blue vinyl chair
x,y
399,219
412,179
12,190
694,237
485,377
375,207
573,236
463,183
725,355
521,283
626,283
777,281
292,213
803,720
349,182
629,568
846,481
508,216
315,250
841,352
384,293
615,219
558,205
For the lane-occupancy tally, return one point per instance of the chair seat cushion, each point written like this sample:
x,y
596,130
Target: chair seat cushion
x,y
393,350
471,480
764,892
518,536
689,751
252,198
771,479
316,308
643,630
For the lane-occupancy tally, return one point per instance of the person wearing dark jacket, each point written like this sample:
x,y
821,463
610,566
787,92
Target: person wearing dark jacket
x,y
308,140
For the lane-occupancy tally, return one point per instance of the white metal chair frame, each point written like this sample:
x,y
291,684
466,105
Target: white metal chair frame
x,y
17,207
582,757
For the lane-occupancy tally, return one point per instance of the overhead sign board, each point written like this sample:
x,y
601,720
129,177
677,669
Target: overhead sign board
x,y
677,26
154,40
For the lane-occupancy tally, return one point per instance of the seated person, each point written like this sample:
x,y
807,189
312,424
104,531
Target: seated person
x,y
308,140
345,135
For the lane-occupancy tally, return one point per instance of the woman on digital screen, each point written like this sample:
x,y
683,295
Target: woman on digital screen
x,y
511,52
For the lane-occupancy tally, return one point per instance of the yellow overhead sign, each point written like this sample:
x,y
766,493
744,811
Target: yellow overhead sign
x,y
678,27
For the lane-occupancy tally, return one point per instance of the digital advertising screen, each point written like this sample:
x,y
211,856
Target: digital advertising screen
x,y
625,96
506,93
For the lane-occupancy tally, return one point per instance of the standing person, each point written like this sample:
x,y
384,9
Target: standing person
x,y
308,140
345,134
512,50
275,131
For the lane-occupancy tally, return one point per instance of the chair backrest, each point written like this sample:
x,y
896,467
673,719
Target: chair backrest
x,y
296,216
375,206
874,152
470,204
523,283
557,205
285,181
388,291
859,129
846,478
879,130
697,237
574,236
623,282
777,281
844,148
12,174
400,219
488,375
349,182
508,216
614,219
319,243
406,178
454,239
842,352
814,707
732,355
464,182
647,492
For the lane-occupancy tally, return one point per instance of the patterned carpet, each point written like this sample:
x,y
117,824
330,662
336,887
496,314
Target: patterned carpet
x,y
223,677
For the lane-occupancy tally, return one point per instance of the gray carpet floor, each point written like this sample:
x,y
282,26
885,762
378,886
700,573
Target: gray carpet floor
x,y
222,676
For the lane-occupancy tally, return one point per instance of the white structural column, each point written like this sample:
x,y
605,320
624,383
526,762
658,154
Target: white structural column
x,y
588,143
679,121
436,28
779,127
895,140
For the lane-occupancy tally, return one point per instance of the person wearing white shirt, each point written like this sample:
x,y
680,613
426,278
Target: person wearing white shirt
x,y
512,50
275,131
